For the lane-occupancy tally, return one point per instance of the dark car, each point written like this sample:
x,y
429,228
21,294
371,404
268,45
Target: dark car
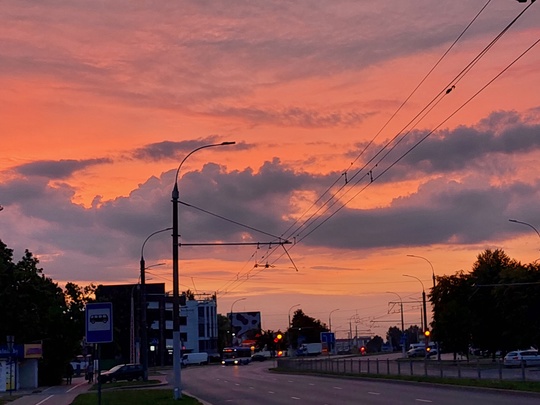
x,y
127,372
258,357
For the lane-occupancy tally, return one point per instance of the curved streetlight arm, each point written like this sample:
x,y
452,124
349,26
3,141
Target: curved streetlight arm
x,y
423,289
525,223
149,236
294,306
175,189
432,269
330,318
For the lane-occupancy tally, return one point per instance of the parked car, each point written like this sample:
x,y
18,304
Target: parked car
x,y
421,352
416,352
120,372
528,357
258,357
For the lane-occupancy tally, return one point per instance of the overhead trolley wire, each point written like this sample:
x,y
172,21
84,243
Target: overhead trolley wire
x,y
310,221
307,222
445,91
328,204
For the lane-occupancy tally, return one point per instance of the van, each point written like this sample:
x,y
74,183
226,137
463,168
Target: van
x,y
194,358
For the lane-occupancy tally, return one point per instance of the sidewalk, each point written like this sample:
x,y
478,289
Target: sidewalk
x,y
55,395
65,394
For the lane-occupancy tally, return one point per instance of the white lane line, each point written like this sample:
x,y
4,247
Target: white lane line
x,y
423,400
76,386
237,384
338,388
271,392
374,393
311,384
49,397
251,388
295,398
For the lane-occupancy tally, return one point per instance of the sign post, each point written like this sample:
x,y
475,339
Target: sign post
x,y
99,329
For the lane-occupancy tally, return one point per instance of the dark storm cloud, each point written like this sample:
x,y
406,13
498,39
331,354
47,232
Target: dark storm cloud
x,y
60,169
453,150
294,117
171,149
492,144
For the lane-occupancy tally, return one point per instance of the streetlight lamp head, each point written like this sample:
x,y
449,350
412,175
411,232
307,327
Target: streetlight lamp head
x,y
228,143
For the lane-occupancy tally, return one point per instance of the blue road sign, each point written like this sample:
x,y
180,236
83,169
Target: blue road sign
x,y
328,337
99,322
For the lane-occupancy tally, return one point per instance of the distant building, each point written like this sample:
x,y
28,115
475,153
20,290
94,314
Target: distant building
x,y
198,323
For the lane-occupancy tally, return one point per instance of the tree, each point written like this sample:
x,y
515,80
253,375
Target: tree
x,y
494,307
394,336
224,329
305,329
34,309
452,317
375,344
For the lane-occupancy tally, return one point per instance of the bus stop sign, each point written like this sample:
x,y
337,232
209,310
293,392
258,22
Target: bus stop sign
x,y
99,322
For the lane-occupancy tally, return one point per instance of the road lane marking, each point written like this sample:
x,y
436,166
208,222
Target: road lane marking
x,y
77,386
338,388
423,400
271,392
237,384
49,397
374,393
295,398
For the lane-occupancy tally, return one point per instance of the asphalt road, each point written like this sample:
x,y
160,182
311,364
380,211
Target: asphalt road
x,y
255,384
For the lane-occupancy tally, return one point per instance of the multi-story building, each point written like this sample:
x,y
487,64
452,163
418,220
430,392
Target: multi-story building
x,y
198,323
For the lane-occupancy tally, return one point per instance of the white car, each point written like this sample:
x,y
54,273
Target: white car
x,y
528,357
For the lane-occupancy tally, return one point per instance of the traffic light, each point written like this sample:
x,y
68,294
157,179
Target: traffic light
x,y
363,350
278,338
427,334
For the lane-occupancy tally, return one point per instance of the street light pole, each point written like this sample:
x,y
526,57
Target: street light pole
x,y
289,327
434,285
232,328
144,333
424,326
330,319
176,295
402,323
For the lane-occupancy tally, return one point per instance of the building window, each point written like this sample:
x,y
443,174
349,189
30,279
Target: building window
x,y
183,320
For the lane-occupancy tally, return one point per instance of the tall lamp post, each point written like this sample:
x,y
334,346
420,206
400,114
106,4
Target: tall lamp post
x,y
432,269
232,328
144,332
332,345
402,323
330,319
176,296
434,285
424,326
289,327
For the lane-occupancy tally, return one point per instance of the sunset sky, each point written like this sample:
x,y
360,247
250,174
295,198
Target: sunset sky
x,y
365,132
